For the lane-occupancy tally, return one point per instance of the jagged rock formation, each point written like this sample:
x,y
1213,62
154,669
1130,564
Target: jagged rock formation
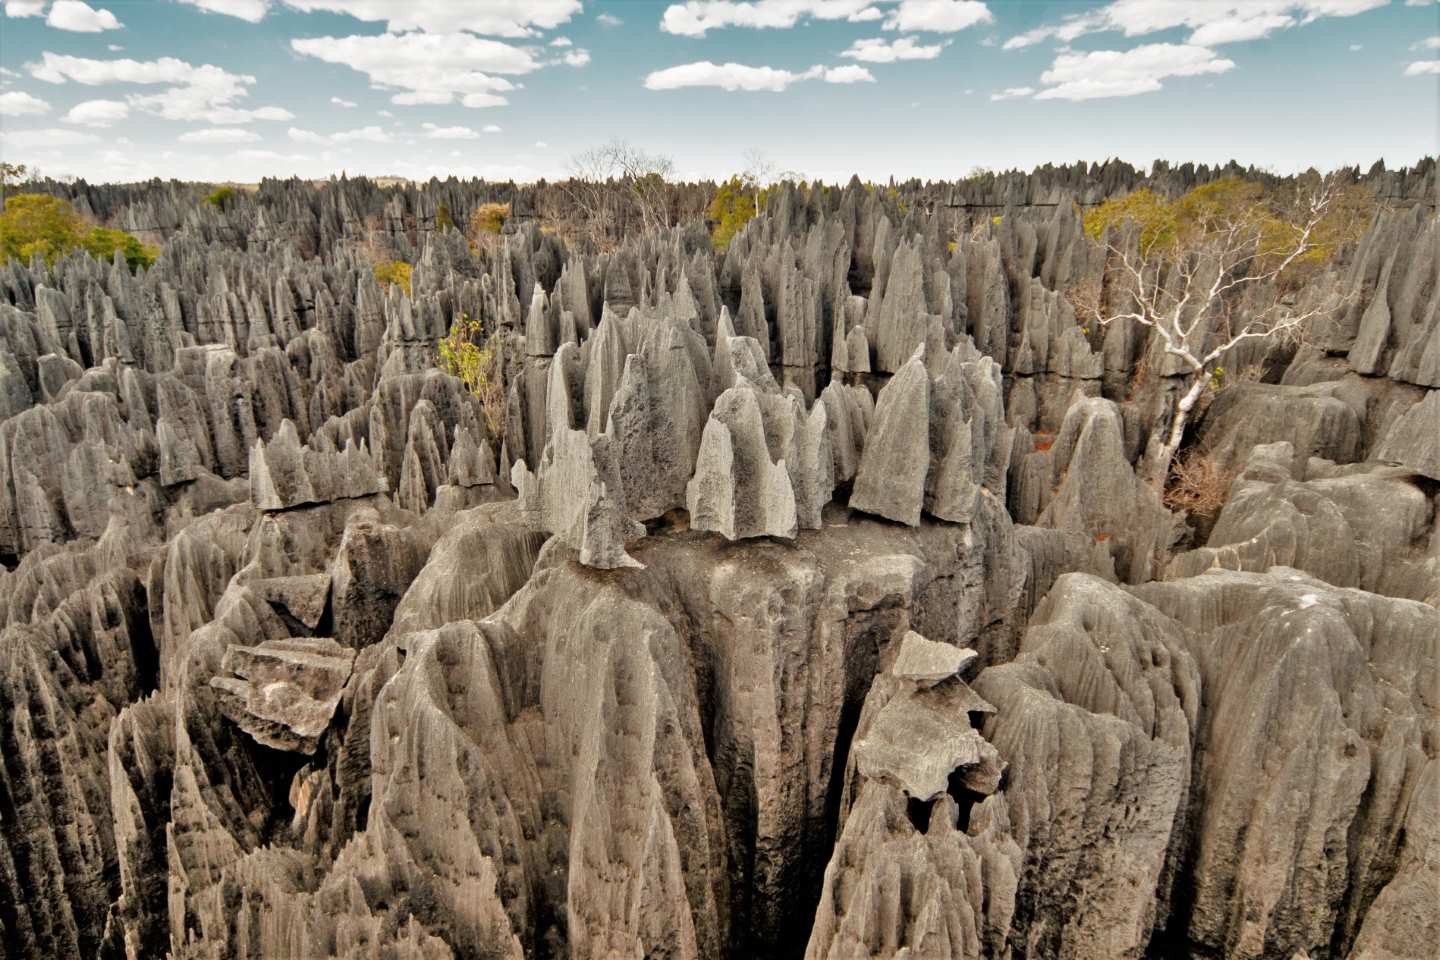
x,y
1287,513
802,598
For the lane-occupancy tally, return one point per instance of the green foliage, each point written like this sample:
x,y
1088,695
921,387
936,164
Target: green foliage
x,y
393,272
1276,220
735,204
37,223
489,218
220,197
1150,211
443,221
102,243
468,354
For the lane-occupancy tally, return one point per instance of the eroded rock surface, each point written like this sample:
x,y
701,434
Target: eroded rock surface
x,y
797,599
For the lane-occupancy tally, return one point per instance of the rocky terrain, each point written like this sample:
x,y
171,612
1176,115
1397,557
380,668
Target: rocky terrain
x,y
809,603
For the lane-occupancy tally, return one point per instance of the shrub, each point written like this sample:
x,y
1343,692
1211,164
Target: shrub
x,y
220,197
443,220
393,272
468,354
1198,486
37,223
489,218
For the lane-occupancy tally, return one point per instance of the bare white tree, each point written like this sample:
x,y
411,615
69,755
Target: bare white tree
x,y
642,175
760,172
1207,288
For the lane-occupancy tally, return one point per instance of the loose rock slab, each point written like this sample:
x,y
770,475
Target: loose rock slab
x,y
284,692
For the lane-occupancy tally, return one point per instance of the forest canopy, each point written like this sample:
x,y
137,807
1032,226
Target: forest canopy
x,y
34,223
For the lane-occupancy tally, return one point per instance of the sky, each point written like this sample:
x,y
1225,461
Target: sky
x,y
214,90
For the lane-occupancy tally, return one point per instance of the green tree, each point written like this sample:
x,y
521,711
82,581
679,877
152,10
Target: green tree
x,y
1211,272
467,353
37,223
443,221
220,197
735,204
102,243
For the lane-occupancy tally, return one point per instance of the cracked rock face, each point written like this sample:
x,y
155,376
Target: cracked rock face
x,y
284,692
800,599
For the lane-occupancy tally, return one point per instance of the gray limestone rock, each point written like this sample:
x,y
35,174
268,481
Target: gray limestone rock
x,y
284,693
285,474
737,490
1278,515
1414,439
927,662
890,481
577,493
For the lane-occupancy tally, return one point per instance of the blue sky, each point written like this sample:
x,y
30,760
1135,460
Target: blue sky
x,y
239,89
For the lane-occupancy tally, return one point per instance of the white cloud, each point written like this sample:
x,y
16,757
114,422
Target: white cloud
x,y
271,155
205,93
1422,68
24,8
726,76
437,132
561,42
1429,43
341,102
1115,73
47,137
877,50
370,134
220,135
80,17
738,76
429,68
490,128
1356,47
1010,93
306,136
1238,29
17,104
386,113
577,57
252,10
1213,22
500,18
608,20
541,145
850,73
98,113
695,17
938,16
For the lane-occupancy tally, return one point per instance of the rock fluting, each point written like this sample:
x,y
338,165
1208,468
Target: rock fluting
x,y
800,599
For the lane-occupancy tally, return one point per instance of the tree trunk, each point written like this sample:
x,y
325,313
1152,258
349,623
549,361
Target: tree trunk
x,y
1158,467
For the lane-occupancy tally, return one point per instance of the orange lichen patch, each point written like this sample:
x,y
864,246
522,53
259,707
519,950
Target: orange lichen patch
x,y
1043,445
1101,537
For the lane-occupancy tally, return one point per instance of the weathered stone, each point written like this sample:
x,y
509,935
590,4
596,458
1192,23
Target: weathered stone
x,y
284,693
